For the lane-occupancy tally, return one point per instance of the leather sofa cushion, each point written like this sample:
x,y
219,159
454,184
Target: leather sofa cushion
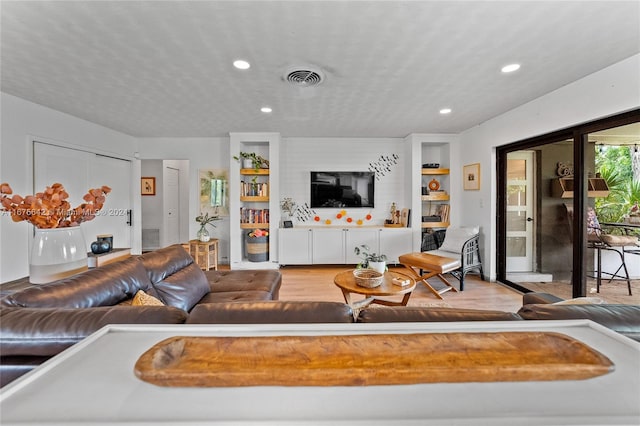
x,y
165,261
272,312
244,280
104,286
236,296
184,288
177,279
625,319
432,314
45,332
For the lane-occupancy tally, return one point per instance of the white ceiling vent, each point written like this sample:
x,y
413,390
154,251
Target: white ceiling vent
x,y
304,76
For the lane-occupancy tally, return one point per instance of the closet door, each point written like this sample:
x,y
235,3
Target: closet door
x,y
116,174
79,171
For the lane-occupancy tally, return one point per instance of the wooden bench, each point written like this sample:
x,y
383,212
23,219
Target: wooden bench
x,y
434,265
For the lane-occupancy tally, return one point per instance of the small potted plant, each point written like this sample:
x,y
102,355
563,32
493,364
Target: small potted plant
x,y
204,220
377,262
288,206
251,160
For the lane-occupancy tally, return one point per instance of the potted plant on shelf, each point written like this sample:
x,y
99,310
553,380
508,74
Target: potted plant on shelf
x,y
377,262
251,160
204,220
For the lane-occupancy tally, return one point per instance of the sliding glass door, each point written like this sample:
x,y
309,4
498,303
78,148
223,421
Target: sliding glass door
x,y
549,187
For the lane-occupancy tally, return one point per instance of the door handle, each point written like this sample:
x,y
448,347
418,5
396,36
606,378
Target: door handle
x,y
130,217
529,219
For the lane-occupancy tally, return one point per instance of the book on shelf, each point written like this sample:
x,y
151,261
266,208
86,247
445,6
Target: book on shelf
x,y
250,189
254,215
443,212
405,217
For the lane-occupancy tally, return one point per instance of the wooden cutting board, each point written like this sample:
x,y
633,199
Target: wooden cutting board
x,y
369,359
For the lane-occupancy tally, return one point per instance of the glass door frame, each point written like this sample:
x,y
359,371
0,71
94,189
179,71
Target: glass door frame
x,y
579,134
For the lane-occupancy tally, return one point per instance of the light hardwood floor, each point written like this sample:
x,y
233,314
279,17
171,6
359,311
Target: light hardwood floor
x,y
316,283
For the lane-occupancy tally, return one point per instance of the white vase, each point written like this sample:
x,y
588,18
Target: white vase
x,y
57,253
378,266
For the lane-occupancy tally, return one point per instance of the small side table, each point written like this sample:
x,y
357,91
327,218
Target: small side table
x,y
205,253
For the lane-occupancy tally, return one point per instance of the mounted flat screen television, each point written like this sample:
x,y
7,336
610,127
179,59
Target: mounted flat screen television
x,y
342,189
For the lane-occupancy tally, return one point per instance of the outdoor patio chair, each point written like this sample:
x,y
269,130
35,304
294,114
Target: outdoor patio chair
x,y
599,238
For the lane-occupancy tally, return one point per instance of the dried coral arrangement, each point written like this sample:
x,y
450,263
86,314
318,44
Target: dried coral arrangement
x,y
50,208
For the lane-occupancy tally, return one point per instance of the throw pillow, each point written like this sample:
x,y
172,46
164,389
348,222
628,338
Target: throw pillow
x,y
582,301
456,237
143,299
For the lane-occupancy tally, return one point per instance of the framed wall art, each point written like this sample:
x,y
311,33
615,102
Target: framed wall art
x,y
148,186
471,177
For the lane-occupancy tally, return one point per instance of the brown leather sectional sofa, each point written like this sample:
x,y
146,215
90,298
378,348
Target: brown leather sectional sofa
x,y
41,321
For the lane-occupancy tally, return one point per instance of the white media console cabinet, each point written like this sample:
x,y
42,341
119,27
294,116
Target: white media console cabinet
x,y
310,245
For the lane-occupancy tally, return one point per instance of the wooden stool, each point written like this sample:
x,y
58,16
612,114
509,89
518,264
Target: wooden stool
x,y
434,264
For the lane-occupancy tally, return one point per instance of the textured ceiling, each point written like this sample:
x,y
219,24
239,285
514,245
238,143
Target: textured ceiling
x,y
164,68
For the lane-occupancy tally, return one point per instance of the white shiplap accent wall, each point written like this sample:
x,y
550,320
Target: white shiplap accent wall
x,y
300,156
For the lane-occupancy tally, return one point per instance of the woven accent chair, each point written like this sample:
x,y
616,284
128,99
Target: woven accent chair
x,y
463,243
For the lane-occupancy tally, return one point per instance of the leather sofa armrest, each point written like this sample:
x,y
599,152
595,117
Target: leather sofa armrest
x,y
48,331
625,319
539,298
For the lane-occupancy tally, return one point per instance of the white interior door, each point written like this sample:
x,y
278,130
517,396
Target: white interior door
x,y
78,171
171,193
115,215
520,211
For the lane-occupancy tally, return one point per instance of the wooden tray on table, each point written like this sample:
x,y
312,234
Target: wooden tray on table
x,y
369,359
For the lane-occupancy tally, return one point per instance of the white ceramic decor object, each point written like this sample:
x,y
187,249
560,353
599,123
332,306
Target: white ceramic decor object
x,y
57,253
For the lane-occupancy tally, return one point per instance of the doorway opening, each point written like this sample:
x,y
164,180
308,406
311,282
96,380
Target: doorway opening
x,y
165,213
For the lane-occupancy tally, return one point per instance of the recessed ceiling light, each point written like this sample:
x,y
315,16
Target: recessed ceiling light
x,y
445,111
266,109
241,65
510,68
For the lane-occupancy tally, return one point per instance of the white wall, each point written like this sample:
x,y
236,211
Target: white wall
x,y
201,153
610,91
23,121
299,156
152,204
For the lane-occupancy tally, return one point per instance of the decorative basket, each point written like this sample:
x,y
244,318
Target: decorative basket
x,y
368,278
